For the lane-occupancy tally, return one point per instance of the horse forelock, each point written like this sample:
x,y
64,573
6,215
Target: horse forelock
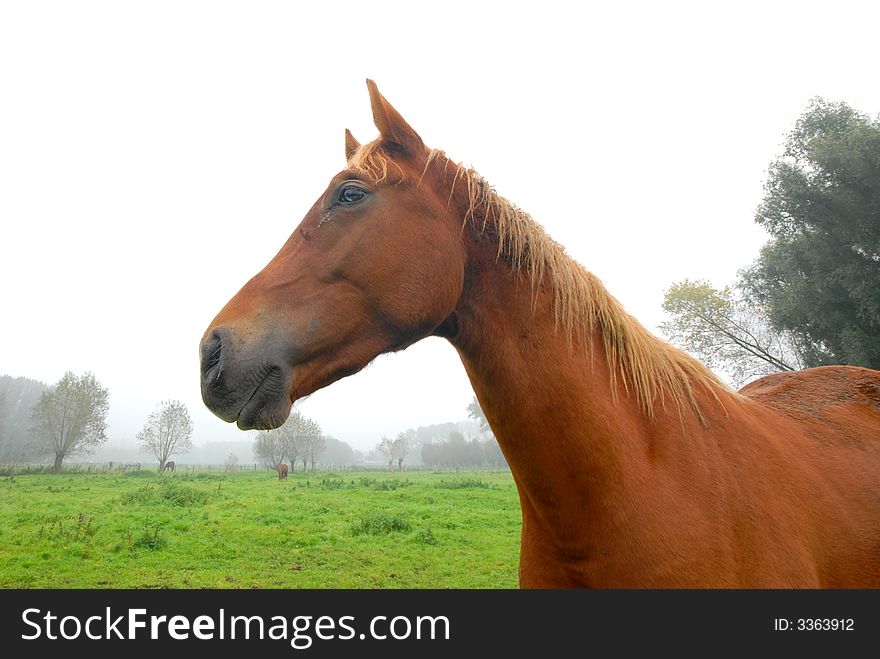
x,y
371,160
648,368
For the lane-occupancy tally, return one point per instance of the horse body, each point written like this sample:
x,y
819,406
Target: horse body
x,y
749,491
635,466
282,471
753,494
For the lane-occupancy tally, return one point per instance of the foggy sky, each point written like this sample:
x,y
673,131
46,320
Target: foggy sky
x,y
154,157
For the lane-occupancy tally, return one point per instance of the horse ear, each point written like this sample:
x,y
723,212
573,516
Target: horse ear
x,y
392,127
351,145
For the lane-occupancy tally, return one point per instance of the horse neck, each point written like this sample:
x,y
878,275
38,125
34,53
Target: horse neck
x,y
580,446
548,397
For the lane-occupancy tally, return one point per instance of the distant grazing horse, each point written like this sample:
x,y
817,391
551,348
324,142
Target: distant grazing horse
x,y
635,465
169,466
282,471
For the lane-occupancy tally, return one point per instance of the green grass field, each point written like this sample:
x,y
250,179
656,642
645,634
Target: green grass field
x,y
250,530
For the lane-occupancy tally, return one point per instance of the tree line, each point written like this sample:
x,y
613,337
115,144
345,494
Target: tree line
x,y
445,445
457,451
394,450
812,297
69,419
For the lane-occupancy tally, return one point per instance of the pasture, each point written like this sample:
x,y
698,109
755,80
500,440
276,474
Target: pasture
x,y
364,529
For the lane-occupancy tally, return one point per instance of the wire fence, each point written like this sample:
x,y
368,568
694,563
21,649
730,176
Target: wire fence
x,y
123,467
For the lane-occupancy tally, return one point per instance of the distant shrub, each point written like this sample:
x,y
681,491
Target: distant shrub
x,y
380,524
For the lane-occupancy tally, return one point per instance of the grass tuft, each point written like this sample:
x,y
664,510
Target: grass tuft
x,y
169,492
150,539
379,524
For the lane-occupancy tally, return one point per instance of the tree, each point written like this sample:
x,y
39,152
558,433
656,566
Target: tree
x,y
270,447
298,439
492,454
386,448
21,395
8,451
70,418
337,452
168,430
475,412
313,444
303,440
819,275
726,332
457,451
399,449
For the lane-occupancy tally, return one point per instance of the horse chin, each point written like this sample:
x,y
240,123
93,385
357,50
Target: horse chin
x,y
264,414
269,405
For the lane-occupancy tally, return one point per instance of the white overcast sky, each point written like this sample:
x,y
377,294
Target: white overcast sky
x,y
155,155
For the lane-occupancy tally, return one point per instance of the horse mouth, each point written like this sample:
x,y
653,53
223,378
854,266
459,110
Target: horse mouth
x,y
268,406
257,393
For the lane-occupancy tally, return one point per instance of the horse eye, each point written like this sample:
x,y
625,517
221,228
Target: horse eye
x,y
351,194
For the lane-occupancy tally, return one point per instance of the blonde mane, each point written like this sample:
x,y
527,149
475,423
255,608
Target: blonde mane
x,y
648,367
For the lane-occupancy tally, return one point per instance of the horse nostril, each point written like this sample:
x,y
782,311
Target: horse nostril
x,y
212,350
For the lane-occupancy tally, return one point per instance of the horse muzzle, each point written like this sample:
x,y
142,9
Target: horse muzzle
x,y
244,383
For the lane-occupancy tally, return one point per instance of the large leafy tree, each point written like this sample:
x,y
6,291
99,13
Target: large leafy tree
x,y
70,418
819,276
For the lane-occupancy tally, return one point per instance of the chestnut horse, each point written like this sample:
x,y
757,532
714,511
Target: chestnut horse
x,y
282,471
635,465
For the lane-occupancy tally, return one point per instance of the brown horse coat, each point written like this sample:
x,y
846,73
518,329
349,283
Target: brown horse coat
x,y
635,466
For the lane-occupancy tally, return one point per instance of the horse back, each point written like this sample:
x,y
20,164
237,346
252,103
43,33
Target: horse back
x,y
843,399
